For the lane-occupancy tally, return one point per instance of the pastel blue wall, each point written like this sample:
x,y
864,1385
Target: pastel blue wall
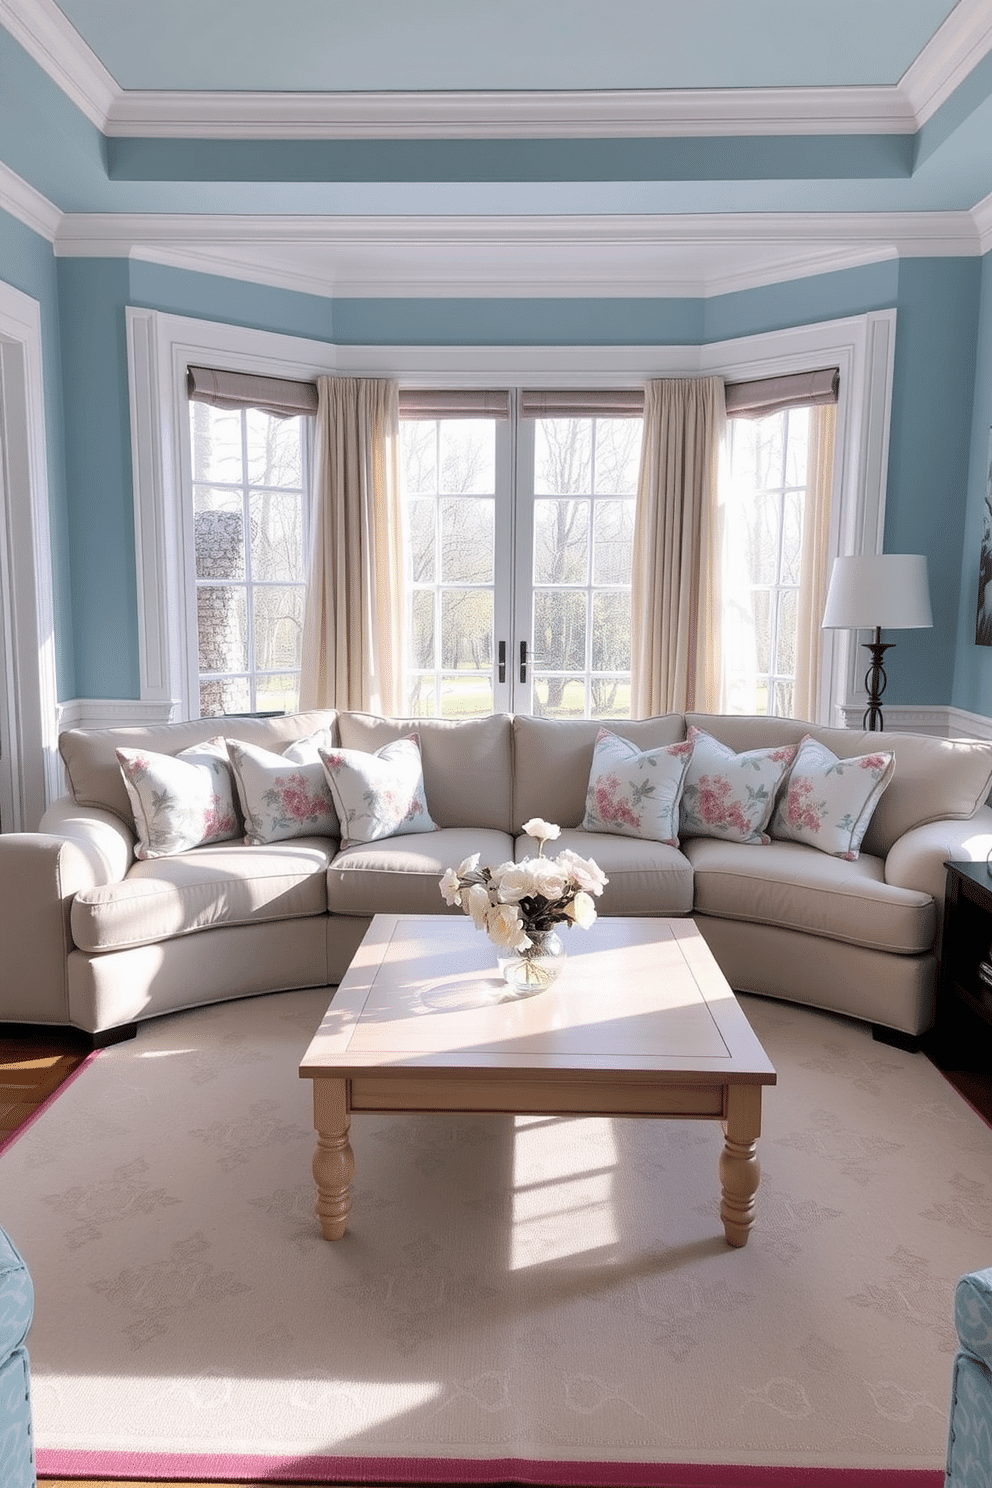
x,y
934,487
28,263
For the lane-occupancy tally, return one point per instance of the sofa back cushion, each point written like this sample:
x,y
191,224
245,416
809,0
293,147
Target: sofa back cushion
x,y
467,762
552,759
94,773
933,779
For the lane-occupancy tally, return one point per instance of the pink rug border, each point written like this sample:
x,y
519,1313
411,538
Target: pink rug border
x,y
50,1100
440,1470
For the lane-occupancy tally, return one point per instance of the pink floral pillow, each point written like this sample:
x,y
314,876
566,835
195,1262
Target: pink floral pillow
x,y
828,802
378,795
731,795
634,792
180,801
284,795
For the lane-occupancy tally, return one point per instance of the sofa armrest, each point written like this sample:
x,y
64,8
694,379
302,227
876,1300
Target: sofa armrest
x,y
916,860
40,874
102,838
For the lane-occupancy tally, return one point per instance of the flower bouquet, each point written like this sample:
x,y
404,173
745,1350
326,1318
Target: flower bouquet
x,y
519,904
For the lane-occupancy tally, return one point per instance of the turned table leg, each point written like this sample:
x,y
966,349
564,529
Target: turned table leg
x,y
334,1161
740,1172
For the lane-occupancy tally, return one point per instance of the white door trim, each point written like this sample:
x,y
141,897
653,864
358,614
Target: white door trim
x,y
30,777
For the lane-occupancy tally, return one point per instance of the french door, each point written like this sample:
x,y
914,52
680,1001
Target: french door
x,y
519,539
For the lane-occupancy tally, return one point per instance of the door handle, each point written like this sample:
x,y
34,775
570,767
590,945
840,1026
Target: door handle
x,y
501,662
523,661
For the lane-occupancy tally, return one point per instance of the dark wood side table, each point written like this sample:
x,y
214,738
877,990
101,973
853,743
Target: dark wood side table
x,y
964,991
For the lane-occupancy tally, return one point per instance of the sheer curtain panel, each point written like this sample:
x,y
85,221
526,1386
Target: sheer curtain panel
x,y
353,628
675,578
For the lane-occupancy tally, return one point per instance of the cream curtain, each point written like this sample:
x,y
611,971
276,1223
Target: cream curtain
x,y
813,573
353,626
675,598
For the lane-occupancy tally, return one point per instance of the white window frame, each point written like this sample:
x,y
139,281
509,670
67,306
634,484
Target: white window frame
x,y
30,773
161,346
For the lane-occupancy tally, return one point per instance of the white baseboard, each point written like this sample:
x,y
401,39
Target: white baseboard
x,y
98,713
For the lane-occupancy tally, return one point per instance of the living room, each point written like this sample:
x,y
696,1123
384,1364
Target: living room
x,y
546,197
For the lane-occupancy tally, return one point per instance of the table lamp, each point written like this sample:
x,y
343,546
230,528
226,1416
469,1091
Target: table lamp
x,y
887,591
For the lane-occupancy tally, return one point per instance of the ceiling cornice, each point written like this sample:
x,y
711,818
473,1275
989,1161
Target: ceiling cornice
x,y
552,257
589,114
45,33
960,43
28,205
982,213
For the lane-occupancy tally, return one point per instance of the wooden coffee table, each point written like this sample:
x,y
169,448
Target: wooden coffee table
x,y
640,1023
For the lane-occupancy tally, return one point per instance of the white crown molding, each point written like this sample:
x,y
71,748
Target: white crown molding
x,y
28,205
982,215
45,34
956,47
527,257
588,114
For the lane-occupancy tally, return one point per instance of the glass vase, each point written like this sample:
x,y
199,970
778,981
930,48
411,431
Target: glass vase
x,y
535,968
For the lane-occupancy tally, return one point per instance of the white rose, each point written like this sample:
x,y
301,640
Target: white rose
x,y
543,831
475,901
512,882
505,927
469,865
584,872
547,878
450,887
581,911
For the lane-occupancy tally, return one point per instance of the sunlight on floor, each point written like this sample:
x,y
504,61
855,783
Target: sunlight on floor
x,y
562,1190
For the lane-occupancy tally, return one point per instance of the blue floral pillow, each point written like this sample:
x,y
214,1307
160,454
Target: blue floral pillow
x,y
828,802
180,801
378,795
636,792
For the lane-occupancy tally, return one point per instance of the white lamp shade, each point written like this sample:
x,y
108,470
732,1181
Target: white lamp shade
x,y
886,590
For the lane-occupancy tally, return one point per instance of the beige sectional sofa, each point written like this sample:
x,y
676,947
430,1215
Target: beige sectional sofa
x,y
95,939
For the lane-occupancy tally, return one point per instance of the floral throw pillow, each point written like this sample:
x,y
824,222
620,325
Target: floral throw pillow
x,y
284,795
180,801
378,795
636,792
828,802
731,795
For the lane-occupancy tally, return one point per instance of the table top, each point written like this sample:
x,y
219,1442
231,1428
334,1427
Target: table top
x,y
637,996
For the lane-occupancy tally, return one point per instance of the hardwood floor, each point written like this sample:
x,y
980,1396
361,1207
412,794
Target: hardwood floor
x,y
31,1069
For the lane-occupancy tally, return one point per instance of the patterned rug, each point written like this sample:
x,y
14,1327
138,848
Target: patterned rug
x,y
530,1299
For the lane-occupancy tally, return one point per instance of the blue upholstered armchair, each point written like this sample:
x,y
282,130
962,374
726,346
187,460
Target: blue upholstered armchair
x,y
16,1308
969,1445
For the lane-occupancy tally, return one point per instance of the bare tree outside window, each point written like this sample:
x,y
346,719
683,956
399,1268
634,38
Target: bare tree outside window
x,y
249,542
579,505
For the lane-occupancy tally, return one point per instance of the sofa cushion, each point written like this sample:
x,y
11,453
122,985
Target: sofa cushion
x,y
636,792
731,795
402,875
90,758
225,885
645,878
378,795
180,801
828,802
790,885
552,760
284,795
467,763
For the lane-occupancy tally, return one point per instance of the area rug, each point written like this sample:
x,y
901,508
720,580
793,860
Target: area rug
x,y
518,1298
